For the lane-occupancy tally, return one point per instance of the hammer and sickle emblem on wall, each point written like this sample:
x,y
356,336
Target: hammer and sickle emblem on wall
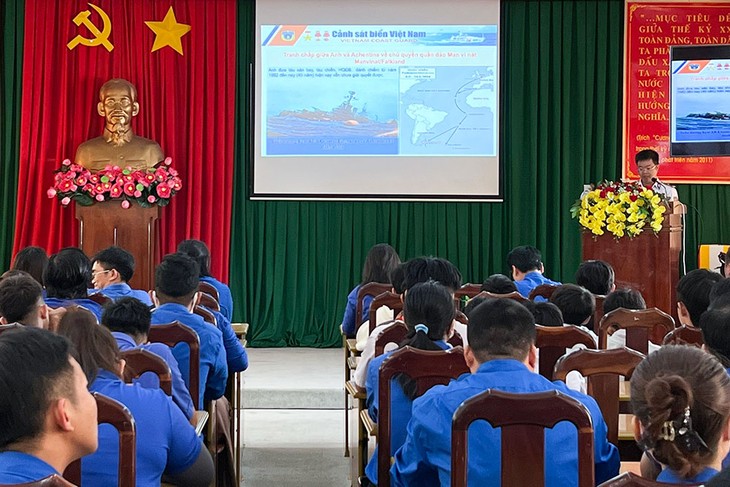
x,y
101,37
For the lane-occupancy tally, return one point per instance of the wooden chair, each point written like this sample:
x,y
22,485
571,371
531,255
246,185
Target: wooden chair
x,y
467,290
10,326
208,317
99,298
543,290
209,302
629,479
173,333
427,369
208,288
640,325
51,481
394,333
116,414
597,314
389,299
603,368
684,335
461,317
140,361
552,341
513,295
522,418
373,289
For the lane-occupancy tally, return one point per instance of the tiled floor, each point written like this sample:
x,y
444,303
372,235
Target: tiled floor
x,y
293,429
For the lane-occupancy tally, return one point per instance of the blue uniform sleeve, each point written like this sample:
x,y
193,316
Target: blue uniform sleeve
x,y
348,321
606,455
236,356
183,444
226,301
180,393
371,387
218,374
410,464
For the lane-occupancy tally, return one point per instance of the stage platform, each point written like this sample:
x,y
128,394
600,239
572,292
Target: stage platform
x,y
293,420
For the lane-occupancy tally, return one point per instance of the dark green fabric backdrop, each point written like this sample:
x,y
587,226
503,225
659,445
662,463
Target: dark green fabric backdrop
x,y
294,263
11,56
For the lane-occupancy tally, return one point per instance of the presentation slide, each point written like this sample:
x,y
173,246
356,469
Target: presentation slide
x,y
395,90
376,100
700,103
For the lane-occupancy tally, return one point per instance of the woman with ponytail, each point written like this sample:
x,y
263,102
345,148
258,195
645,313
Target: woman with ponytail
x,y
428,311
681,401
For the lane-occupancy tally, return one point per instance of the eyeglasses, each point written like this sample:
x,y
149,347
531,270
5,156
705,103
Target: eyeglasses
x,y
647,168
94,273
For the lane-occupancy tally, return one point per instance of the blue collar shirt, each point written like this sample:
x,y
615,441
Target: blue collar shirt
x,y
670,476
531,281
180,394
166,441
225,300
88,304
122,290
213,367
236,355
425,457
17,468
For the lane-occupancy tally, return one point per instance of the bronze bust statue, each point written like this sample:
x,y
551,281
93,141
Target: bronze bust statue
x,y
118,145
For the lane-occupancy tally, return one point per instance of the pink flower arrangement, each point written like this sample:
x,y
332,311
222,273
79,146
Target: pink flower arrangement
x,y
148,187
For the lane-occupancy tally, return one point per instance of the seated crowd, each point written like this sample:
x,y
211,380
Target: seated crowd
x,y
679,393
68,321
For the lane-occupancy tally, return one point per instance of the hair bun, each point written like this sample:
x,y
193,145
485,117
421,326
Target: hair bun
x,y
667,397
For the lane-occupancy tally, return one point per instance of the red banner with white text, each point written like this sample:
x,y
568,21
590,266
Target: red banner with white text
x,y
180,55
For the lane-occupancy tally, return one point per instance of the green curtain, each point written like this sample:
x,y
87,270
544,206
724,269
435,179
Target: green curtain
x,y
11,56
293,263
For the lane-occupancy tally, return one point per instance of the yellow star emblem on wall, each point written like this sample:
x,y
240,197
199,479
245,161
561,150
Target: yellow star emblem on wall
x,y
168,32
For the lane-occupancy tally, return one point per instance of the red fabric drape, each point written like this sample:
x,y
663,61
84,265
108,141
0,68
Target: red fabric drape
x,y
186,105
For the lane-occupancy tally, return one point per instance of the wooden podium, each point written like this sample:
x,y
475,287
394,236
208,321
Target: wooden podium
x,y
135,229
648,262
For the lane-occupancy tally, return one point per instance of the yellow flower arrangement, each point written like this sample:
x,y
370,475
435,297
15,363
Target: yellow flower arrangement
x,y
623,209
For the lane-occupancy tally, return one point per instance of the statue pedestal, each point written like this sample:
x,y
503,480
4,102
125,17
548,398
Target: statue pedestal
x,y
135,229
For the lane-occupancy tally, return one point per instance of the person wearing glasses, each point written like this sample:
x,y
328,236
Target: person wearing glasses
x,y
110,271
647,162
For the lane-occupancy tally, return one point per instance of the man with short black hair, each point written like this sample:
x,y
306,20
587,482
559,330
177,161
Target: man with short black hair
x,y
647,164
577,304
111,270
21,301
527,269
715,325
47,414
498,284
176,286
693,295
129,321
597,276
502,356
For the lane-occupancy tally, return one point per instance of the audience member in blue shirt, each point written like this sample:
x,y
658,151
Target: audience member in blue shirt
x,y
236,356
680,396
67,277
501,355
111,269
381,260
198,251
129,321
21,301
527,269
428,311
166,441
49,419
176,284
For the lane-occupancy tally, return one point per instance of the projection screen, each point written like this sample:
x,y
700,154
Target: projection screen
x,y
376,100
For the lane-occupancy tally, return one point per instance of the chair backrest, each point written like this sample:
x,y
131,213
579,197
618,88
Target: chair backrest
x,y
597,314
51,481
684,335
394,333
629,479
209,302
602,369
208,317
427,369
208,288
10,326
461,317
523,418
469,290
369,289
543,290
140,361
173,333
389,299
99,298
552,341
116,414
641,325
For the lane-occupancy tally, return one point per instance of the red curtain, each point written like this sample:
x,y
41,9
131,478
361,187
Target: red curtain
x,y
186,105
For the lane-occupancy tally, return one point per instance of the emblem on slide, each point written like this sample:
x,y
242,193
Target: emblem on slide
x,y
287,35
